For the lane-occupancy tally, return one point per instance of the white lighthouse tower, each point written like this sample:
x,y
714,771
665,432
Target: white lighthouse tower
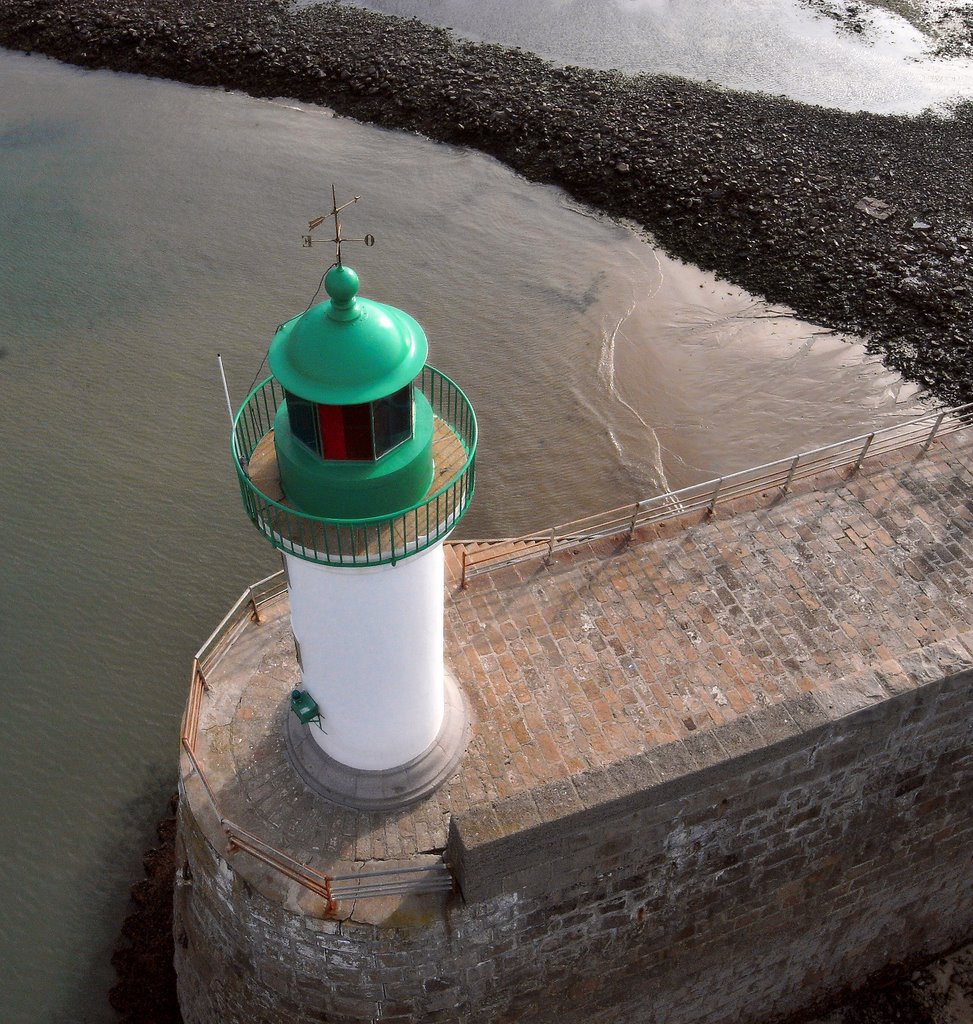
x,y
356,460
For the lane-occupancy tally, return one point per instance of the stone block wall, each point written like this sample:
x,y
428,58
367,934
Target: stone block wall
x,y
739,875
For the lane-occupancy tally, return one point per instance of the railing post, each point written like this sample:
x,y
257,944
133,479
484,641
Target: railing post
x,y
550,546
331,904
462,578
790,475
715,498
861,454
636,508
932,433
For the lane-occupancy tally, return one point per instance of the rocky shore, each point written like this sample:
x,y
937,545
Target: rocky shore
x,y
145,992
947,26
860,222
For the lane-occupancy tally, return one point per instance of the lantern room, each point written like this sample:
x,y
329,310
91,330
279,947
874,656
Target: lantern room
x,y
353,436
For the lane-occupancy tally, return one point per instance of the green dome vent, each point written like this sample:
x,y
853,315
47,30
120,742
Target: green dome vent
x,y
348,350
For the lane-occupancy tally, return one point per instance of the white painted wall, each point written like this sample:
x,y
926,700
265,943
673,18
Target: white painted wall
x,y
372,650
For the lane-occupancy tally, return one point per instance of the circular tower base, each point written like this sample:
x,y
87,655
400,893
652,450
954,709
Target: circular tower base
x,y
389,788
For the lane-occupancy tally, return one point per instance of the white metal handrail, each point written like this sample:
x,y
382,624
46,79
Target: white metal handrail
x,y
780,474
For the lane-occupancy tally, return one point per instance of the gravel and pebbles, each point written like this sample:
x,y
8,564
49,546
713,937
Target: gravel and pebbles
x,y
860,222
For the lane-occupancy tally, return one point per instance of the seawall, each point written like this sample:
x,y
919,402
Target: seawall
x,y
721,771
684,886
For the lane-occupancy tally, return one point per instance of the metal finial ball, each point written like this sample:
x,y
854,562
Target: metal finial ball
x,y
341,283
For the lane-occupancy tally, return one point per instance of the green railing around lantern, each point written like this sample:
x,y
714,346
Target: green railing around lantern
x,y
358,542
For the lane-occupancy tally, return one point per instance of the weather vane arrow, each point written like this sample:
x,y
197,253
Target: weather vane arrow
x,y
308,241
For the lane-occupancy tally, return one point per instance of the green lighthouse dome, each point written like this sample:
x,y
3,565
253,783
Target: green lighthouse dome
x,y
348,349
353,437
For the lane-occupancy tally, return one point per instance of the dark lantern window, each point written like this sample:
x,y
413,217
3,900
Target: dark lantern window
x,y
362,432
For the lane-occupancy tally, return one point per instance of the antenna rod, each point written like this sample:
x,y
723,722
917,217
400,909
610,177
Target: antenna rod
x,y
226,390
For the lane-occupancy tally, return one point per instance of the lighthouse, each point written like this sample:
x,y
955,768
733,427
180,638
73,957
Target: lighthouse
x,y
356,460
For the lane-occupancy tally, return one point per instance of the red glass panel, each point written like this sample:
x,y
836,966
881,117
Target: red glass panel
x,y
332,431
346,431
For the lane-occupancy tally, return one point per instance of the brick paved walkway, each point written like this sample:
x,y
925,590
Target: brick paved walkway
x,y
618,648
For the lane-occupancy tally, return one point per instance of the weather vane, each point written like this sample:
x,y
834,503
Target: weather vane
x,y
308,241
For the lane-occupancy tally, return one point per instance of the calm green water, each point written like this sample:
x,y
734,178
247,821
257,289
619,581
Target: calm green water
x,y
146,226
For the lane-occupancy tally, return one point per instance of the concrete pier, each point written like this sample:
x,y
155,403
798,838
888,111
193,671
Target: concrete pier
x,y
720,771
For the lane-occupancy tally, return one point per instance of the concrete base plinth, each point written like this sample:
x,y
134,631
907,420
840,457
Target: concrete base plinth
x,y
389,788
